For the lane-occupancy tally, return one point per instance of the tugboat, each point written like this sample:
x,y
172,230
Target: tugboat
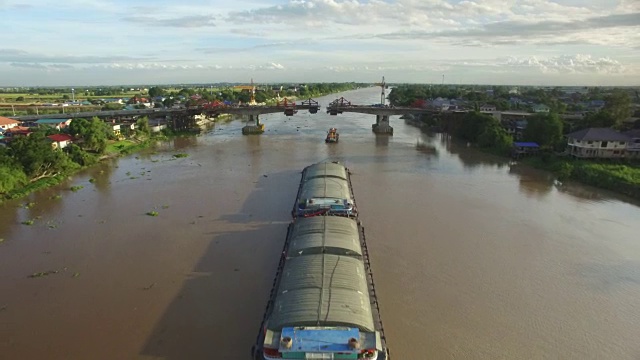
x,y
332,136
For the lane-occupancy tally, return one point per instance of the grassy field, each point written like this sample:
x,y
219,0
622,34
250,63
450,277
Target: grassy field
x,y
125,147
80,94
10,99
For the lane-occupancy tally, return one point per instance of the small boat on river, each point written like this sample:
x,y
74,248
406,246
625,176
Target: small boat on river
x,y
332,136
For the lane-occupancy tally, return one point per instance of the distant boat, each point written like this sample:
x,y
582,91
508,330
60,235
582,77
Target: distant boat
x,y
332,136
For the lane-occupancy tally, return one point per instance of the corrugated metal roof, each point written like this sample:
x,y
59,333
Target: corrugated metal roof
x,y
322,290
51,121
7,121
598,134
329,234
324,187
325,169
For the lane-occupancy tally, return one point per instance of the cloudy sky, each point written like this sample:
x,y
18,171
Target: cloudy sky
x,y
104,42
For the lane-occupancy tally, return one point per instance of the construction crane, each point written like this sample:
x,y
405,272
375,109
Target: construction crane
x,y
383,85
252,90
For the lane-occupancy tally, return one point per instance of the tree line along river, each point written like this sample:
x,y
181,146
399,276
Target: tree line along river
x,y
474,258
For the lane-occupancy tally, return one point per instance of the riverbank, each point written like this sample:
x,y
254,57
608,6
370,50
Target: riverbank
x,y
114,149
620,178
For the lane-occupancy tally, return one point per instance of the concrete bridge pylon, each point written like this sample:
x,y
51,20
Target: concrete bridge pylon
x,y
382,125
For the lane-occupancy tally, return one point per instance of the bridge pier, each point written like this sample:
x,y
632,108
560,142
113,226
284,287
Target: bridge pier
x,y
256,129
382,125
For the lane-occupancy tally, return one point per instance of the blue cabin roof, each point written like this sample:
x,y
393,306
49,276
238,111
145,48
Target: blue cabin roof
x,y
526,144
320,340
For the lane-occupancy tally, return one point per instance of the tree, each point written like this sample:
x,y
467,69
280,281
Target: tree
x,y
156,91
142,125
473,124
96,136
168,102
544,129
78,127
598,119
496,137
11,177
20,98
618,106
80,156
37,158
94,132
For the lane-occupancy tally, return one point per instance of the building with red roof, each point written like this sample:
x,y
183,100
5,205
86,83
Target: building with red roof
x,y
60,141
6,123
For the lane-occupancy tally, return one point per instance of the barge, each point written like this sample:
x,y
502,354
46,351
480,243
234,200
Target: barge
x,y
323,303
325,189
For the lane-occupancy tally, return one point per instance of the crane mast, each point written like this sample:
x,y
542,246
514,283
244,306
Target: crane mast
x,y
383,96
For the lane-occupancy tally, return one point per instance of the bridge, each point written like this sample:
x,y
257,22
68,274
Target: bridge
x,y
184,118
381,111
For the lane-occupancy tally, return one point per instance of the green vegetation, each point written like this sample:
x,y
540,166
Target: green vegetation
x,y
31,163
181,155
152,213
27,222
620,178
76,188
43,273
545,129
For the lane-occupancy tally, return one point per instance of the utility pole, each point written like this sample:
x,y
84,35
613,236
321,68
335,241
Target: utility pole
x,y
14,110
73,95
382,99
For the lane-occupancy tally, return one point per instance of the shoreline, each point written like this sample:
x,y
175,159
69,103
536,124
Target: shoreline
x,y
608,176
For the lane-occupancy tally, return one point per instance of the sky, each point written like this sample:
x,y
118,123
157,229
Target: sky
x,y
151,42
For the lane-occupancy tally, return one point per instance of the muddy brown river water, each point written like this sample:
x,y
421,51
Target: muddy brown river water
x,y
473,258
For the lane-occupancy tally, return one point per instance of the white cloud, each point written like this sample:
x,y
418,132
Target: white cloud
x,y
314,40
193,21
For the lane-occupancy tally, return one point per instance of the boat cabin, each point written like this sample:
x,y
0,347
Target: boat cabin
x,y
332,135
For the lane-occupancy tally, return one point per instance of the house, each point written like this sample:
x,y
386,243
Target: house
x,y
126,128
596,104
16,131
116,129
487,107
601,143
56,123
515,128
440,104
633,149
60,141
524,148
540,108
156,125
6,123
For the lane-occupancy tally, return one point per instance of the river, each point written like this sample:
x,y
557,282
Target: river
x,y
473,258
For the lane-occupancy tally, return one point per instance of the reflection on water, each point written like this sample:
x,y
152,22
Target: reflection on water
x,y
532,183
382,140
184,142
101,176
474,258
472,158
